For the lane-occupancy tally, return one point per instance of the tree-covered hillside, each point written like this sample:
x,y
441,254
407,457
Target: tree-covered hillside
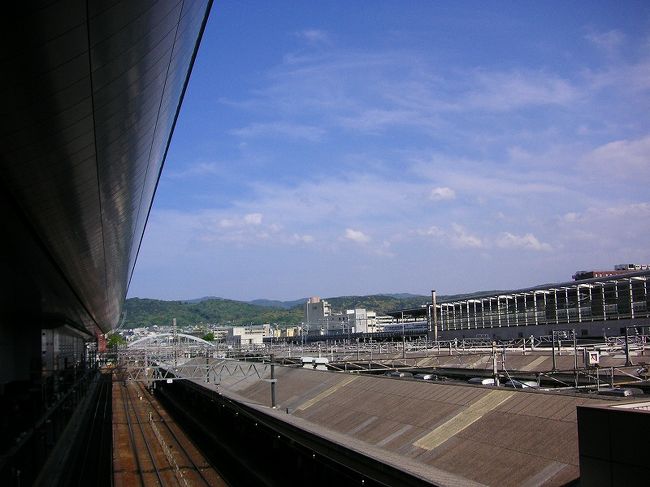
x,y
148,312
380,303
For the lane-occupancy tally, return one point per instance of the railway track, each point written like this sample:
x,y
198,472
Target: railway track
x,y
150,449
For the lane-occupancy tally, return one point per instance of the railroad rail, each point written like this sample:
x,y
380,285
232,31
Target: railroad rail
x,y
150,449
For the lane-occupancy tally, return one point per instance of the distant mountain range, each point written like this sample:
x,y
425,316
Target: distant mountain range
x,y
215,310
299,302
271,303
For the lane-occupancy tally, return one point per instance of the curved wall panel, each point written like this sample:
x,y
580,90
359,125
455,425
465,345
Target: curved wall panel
x,y
91,92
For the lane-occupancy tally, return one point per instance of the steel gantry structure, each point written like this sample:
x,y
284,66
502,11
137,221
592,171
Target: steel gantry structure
x,y
598,307
171,356
595,300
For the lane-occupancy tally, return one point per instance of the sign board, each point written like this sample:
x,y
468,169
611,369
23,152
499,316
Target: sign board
x,y
593,357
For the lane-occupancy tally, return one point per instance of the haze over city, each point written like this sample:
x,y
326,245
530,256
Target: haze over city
x,y
335,148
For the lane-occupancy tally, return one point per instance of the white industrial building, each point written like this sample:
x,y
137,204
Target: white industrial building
x,y
320,320
247,335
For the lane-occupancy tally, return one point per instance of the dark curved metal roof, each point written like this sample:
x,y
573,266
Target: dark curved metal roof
x,y
91,92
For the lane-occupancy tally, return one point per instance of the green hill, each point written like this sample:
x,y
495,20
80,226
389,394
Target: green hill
x,y
148,312
380,303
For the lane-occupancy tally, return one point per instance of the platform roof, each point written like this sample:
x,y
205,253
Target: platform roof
x,y
450,434
421,311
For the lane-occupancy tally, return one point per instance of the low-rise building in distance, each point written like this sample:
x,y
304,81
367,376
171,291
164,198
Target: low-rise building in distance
x,y
247,335
618,270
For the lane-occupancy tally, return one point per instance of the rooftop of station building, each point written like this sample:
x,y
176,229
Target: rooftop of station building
x,y
448,434
421,311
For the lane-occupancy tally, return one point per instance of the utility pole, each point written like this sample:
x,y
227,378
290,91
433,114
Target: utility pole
x,y
434,315
207,366
174,342
627,348
495,370
273,381
575,358
553,349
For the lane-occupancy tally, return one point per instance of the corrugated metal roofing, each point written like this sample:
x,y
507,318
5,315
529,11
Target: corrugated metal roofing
x,y
479,434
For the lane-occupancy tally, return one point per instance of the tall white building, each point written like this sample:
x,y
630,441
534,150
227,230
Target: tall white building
x,y
361,320
316,310
319,319
317,316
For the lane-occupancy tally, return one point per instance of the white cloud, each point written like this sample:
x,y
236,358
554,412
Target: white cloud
x,y
441,194
375,120
202,229
253,219
356,236
619,80
302,238
609,41
351,199
622,159
502,91
314,36
527,242
618,232
375,91
385,249
639,213
518,154
499,187
570,217
632,215
284,129
250,219
432,231
197,169
460,237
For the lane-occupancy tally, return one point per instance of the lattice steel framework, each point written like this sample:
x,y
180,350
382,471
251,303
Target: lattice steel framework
x,y
615,298
173,356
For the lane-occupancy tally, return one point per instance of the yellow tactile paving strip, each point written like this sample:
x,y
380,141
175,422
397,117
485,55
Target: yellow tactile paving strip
x,y
462,420
326,393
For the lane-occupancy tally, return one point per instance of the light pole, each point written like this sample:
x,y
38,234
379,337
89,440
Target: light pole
x,y
434,316
553,349
403,340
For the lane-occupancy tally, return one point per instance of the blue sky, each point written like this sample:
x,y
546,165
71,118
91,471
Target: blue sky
x,y
336,148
